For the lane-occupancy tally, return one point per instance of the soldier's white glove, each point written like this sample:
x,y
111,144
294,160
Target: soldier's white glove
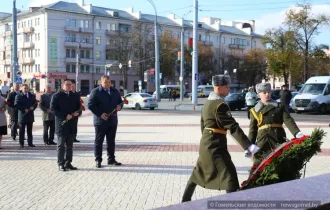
x,y
253,148
299,135
247,153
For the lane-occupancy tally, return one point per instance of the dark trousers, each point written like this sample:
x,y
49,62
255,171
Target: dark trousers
x,y
75,130
49,130
28,127
248,111
64,149
108,131
13,128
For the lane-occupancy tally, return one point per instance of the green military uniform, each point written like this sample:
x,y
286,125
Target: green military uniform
x,y
266,126
214,168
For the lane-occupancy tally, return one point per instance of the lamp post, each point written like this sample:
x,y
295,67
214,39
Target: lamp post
x,y
77,66
157,68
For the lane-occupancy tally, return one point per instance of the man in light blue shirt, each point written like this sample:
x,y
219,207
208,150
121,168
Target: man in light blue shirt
x,y
250,99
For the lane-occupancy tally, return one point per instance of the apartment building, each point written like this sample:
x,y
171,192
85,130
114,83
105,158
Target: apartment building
x,y
49,38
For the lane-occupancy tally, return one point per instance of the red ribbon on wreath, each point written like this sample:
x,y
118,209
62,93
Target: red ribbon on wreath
x,y
256,169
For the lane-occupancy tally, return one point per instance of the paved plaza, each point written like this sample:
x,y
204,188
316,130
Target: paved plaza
x,y
158,150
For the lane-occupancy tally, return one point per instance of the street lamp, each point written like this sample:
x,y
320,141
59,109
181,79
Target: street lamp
x,y
77,65
157,70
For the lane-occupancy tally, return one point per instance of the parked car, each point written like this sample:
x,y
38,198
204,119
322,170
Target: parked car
x,y
140,100
235,101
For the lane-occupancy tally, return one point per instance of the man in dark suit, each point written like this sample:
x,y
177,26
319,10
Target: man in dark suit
x,y
25,103
12,111
76,94
104,102
48,117
65,106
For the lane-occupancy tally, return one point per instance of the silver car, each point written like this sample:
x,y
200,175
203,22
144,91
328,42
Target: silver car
x,y
140,100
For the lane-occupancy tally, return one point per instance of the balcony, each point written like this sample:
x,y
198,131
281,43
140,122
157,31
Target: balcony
x,y
111,46
111,33
27,45
26,30
70,60
86,60
71,44
71,29
28,60
8,33
86,45
123,33
86,30
237,46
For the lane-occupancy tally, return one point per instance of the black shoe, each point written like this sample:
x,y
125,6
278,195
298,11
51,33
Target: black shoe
x,y
51,143
76,140
98,164
13,138
69,166
61,168
32,145
22,146
46,143
114,162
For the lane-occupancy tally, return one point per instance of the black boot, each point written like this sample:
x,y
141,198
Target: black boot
x,y
230,191
188,192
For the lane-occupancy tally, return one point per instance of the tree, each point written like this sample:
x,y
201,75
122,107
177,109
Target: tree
x,y
282,56
320,61
206,63
305,25
254,66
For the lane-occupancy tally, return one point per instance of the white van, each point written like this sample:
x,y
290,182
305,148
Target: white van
x,y
204,90
314,96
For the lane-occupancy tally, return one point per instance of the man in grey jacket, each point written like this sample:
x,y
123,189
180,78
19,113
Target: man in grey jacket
x,y
47,117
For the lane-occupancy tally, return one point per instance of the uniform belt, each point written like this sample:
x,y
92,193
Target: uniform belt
x,y
271,126
217,130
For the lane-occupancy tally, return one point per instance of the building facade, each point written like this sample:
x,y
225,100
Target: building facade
x,y
56,41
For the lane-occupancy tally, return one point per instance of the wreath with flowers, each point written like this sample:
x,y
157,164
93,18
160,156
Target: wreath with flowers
x,y
286,162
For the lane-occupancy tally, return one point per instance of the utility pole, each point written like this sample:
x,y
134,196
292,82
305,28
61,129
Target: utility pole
x,y
14,35
195,55
182,62
77,68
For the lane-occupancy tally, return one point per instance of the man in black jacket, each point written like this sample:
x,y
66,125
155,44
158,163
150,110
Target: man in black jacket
x,y
25,103
285,96
65,106
104,102
12,111
48,117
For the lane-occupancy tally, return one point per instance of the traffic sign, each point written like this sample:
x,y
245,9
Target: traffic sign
x,y
19,80
18,73
197,76
120,65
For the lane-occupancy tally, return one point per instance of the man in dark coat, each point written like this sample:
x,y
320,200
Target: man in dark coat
x,y
214,168
76,94
65,106
25,103
48,117
285,96
12,111
267,118
104,102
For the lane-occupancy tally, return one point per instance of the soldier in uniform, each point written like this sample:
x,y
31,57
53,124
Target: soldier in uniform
x,y
266,124
214,168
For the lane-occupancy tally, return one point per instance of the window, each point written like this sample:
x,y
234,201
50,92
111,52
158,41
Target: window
x,y
73,68
73,23
73,53
108,41
67,53
86,24
38,21
38,36
82,68
97,55
87,68
97,69
67,22
67,68
98,40
98,25
88,54
38,52
125,28
81,24
39,67
35,21
199,37
82,54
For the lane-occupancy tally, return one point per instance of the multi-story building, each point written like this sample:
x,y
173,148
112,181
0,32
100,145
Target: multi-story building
x,y
50,37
